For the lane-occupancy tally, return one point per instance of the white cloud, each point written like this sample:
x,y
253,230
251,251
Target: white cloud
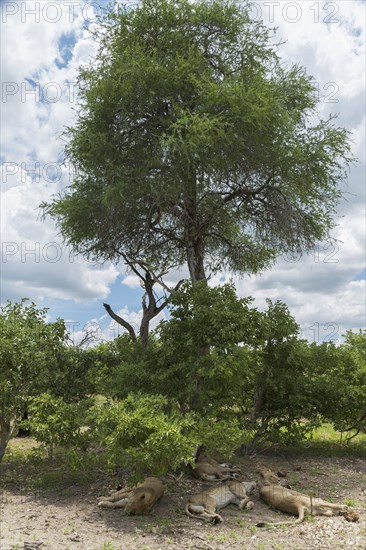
x,y
37,99
34,262
328,38
132,281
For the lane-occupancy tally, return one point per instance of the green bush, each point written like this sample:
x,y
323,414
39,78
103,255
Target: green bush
x,y
339,385
142,432
148,433
217,372
28,355
55,422
195,357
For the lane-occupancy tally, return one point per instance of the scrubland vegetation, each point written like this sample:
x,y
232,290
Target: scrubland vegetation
x,y
256,385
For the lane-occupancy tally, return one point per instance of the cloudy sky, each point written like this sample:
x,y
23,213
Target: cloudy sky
x,y
42,45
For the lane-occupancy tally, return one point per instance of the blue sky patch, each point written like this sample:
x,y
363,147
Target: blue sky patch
x,y
361,276
66,45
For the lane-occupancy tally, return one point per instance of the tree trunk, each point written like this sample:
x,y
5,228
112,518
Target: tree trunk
x,y
144,332
193,231
195,262
195,257
5,435
150,308
24,432
257,400
260,386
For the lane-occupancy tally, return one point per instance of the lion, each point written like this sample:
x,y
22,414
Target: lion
x,y
292,502
137,501
208,469
204,505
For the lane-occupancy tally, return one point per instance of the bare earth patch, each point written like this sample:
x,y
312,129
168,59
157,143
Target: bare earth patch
x,y
69,518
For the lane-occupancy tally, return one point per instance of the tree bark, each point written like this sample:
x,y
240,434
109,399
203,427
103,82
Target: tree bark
x,y
194,232
257,400
195,257
151,309
195,262
5,435
260,386
121,322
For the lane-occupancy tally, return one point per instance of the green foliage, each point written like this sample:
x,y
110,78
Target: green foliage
x,y
77,372
218,372
28,353
144,433
199,357
305,385
283,408
54,422
211,320
211,316
339,385
242,386
148,433
194,143
126,369
38,369
224,436
254,374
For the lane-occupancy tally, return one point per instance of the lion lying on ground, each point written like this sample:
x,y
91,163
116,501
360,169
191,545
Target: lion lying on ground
x,y
208,469
204,505
292,502
137,501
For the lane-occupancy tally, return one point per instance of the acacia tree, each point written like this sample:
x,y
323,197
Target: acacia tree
x,y
194,144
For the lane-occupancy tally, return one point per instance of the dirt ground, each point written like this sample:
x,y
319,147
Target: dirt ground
x,y
69,519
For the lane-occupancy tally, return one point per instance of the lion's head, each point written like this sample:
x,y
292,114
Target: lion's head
x,y
267,477
141,501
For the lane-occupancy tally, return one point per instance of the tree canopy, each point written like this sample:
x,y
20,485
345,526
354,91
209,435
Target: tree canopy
x,y
194,144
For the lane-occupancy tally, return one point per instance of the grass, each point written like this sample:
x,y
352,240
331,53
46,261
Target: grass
x,y
26,466
316,471
325,441
351,502
70,527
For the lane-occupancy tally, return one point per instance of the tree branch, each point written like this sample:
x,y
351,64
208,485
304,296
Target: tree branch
x,y
357,426
121,322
